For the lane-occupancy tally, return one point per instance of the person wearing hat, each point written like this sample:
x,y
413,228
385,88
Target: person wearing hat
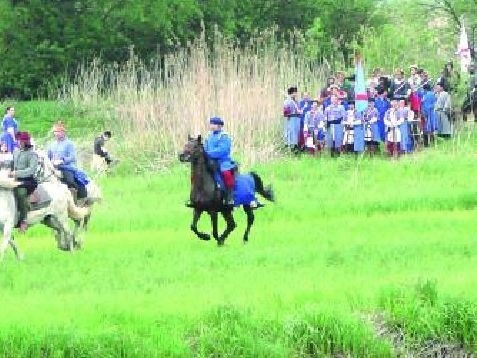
x,y
292,114
25,165
62,154
443,111
393,132
414,78
382,104
372,135
218,146
335,113
399,87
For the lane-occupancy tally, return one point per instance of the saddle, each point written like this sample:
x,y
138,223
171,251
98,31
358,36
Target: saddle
x,y
39,199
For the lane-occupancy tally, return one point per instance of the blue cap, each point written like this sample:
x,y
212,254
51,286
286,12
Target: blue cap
x,y
216,120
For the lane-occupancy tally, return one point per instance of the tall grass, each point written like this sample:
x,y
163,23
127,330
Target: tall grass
x,y
155,105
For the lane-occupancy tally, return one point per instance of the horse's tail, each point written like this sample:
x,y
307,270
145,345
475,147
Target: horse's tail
x,y
76,212
267,192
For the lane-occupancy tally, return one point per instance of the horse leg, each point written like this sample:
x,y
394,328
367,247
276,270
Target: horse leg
x,y
19,255
77,232
215,229
229,219
193,226
250,219
63,238
7,233
86,222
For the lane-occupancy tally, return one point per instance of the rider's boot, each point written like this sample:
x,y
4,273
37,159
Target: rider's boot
x,y
229,197
23,206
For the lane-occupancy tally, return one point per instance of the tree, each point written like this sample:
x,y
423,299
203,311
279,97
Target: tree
x,y
339,23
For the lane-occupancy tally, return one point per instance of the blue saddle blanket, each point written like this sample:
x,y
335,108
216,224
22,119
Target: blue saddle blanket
x,y
80,177
244,188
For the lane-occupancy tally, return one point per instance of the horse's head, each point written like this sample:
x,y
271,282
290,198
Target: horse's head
x,y
193,150
46,171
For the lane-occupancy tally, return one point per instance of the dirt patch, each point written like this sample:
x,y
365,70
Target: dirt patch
x,y
405,348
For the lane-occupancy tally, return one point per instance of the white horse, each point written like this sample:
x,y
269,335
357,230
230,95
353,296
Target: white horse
x,y
54,215
48,173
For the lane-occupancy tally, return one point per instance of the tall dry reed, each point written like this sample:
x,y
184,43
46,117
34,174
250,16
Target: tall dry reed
x,y
154,106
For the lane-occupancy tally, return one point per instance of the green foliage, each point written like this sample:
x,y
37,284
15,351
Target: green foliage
x,y
43,40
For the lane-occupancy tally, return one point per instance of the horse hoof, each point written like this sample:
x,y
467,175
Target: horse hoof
x,y
205,237
20,257
220,243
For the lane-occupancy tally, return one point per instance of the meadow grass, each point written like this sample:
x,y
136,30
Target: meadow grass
x,y
347,239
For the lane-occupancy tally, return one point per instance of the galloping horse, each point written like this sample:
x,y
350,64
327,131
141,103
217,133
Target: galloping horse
x,y
206,196
48,173
54,214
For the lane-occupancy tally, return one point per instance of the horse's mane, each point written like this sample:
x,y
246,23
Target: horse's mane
x,y
46,169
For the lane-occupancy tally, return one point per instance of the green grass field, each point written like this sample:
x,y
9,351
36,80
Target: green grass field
x,y
351,245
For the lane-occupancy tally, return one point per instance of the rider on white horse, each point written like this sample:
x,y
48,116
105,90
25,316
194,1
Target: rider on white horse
x,y
62,154
25,164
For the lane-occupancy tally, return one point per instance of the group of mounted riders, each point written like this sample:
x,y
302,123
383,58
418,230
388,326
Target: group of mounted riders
x,y
20,161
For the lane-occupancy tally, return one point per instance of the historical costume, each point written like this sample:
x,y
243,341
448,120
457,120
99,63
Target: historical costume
x,y
393,132
10,129
218,147
62,154
382,104
405,114
400,87
292,115
25,165
334,115
443,112
372,134
314,128
428,112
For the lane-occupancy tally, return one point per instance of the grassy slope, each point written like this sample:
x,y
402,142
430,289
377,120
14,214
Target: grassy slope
x,y
346,237
38,117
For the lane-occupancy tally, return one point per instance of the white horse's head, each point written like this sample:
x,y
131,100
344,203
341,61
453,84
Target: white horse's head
x,y
46,170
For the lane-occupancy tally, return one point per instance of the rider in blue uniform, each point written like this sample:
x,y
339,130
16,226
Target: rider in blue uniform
x,y
218,146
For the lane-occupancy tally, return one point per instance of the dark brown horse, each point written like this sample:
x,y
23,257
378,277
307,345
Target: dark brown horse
x,y
206,195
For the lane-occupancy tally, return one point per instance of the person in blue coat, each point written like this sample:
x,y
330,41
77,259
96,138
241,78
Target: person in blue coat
x,y
382,104
218,147
62,154
427,108
10,128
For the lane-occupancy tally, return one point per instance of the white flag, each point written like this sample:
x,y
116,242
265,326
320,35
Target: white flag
x,y
463,50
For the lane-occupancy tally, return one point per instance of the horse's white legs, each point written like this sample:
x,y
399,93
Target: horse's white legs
x,y
20,256
78,233
7,233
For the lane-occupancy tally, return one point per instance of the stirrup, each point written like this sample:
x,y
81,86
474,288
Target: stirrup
x,y
189,204
256,204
